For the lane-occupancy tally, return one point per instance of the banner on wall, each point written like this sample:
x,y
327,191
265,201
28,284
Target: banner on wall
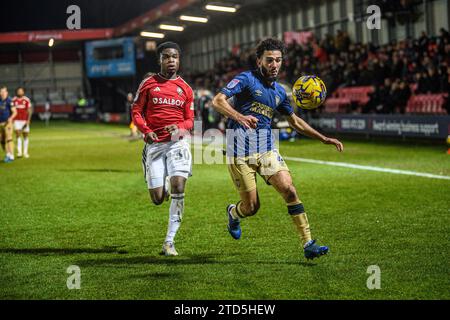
x,y
437,127
110,58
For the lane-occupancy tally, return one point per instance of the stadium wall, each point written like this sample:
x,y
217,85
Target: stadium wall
x,y
321,17
56,77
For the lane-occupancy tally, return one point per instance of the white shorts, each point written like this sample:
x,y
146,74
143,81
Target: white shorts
x,y
19,126
166,159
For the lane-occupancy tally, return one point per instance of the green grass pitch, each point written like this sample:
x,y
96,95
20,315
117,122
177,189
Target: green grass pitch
x,y
81,200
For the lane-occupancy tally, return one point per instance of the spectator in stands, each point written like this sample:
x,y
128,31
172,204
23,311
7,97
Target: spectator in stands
x,y
444,34
133,129
419,78
386,97
365,77
342,41
443,78
320,53
421,62
380,72
401,95
210,118
82,102
433,81
380,99
423,42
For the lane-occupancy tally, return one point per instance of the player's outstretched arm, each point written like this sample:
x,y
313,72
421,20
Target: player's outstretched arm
x,y
30,114
222,106
301,126
13,114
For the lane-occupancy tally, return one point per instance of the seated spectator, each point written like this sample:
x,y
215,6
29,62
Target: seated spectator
x,y
401,96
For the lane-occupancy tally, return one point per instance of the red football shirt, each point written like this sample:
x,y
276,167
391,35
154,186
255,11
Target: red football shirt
x,y
23,106
160,102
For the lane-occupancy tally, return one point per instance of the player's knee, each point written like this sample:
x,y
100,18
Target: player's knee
x,y
156,199
290,193
177,188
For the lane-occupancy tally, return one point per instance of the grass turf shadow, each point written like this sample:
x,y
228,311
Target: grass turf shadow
x,y
156,260
98,170
62,251
200,259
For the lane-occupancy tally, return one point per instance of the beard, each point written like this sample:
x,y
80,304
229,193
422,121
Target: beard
x,y
267,75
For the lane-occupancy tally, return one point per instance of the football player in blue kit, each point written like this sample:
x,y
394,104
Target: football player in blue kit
x,y
250,141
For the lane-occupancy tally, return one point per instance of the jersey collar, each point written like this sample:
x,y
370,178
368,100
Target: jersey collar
x,y
160,75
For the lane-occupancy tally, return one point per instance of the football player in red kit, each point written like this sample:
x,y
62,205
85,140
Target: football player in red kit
x,y
162,110
22,121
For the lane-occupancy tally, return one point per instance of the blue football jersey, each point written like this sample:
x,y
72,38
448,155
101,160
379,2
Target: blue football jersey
x,y
252,95
5,109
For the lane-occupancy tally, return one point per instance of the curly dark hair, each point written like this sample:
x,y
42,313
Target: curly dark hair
x,y
270,44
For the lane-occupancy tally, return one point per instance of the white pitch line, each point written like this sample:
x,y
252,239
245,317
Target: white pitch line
x,y
370,168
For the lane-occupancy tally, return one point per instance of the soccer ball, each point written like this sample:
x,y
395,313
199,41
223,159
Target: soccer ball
x,y
309,92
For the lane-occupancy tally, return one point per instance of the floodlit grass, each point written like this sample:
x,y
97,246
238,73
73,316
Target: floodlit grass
x,y
81,200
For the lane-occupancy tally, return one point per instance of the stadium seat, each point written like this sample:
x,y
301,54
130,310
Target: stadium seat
x,y
336,105
427,104
39,97
71,95
55,97
358,95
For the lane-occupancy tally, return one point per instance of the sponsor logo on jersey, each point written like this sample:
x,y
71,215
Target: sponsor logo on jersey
x,y
258,93
233,83
180,91
260,108
157,89
172,102
192,106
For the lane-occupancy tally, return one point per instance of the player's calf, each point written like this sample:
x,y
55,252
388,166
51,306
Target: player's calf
x,y
248,209
244,209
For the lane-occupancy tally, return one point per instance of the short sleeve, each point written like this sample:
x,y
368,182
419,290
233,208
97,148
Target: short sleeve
x,y
235,86
285,107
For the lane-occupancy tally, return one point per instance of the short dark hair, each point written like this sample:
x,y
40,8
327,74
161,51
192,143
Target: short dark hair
x,y
18,88
270,44
167,45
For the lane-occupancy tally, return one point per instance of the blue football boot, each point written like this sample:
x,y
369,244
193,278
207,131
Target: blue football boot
x,y
312,250
234,226
8,159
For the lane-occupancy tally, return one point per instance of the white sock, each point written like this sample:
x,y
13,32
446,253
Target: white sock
x,y
175,215
19,145
26,142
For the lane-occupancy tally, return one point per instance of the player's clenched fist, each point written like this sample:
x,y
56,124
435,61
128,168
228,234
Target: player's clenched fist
x,y
249,122
172,128
150,137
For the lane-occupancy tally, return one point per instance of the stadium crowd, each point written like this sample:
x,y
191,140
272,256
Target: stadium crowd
x,y
395,70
